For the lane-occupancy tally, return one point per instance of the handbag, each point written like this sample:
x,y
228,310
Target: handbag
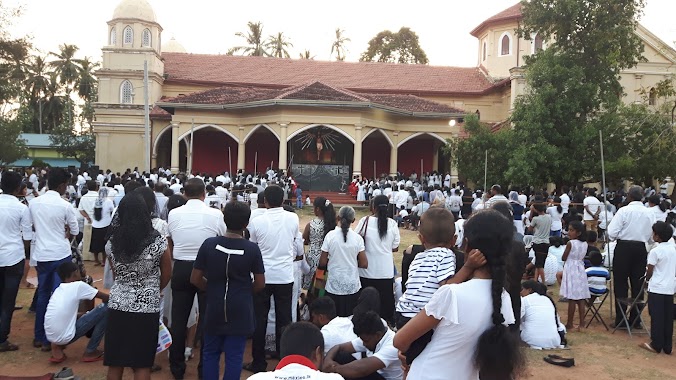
x,y
364,228
164,339
318,286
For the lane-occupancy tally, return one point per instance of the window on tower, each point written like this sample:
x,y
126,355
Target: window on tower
x,y
537,43
113,36
505,44
146,38
126,92
483,53
128,35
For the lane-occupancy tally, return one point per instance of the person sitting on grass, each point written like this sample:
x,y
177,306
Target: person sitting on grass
x,y
661,283
540,325
62,326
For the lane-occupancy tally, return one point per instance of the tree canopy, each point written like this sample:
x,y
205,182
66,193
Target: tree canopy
x,y
395,47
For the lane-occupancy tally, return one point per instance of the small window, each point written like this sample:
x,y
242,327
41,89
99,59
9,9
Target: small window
x,y
146,38
126,92
537,43
113,36
652,97
505,45
128,35
483,53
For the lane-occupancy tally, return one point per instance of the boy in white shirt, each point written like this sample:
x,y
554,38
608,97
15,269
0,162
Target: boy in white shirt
x,y
402,216
661,275
62,326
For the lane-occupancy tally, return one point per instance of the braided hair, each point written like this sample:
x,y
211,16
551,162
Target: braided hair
x,y
498,354
346,214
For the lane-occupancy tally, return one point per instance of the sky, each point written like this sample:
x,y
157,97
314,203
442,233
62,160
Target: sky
x,y
209,26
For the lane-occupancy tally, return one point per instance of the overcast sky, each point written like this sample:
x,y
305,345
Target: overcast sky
x,y
209,26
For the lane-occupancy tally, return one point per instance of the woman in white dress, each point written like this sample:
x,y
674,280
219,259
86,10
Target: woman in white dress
x,y
540,324
361,196
469,319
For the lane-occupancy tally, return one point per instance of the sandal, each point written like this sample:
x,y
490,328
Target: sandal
x,y
567,363
92,359
559,357
7,346
646,346
54,360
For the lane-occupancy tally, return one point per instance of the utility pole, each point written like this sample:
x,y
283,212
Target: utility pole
x,y
146,111
40,107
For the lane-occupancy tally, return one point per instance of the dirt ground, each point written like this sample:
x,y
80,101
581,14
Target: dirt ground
x,y
598,353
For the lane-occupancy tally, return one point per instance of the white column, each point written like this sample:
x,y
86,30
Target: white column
x,y
241,150
394,154
283,135
174,147
356,162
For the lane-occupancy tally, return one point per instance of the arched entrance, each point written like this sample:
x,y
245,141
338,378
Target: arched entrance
x,y
321,158
421,151
213,151
261,150
375,155
163,152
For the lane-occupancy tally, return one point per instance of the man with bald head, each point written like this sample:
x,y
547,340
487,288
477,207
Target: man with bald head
x,y
631,227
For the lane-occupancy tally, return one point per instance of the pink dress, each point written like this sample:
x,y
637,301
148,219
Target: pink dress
x,y
574,285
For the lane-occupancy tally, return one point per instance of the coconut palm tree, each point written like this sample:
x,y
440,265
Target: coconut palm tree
x,y
66,66
278,45
54,103
306,55
37,78
254,39
86,82
338,45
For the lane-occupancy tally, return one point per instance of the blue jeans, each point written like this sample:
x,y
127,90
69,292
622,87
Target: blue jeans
x,y
233,348
48,281
10,277
94,319
556,233
299,202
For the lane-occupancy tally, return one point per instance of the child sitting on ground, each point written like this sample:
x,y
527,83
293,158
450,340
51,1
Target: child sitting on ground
x,y
661,283
430,269
62,326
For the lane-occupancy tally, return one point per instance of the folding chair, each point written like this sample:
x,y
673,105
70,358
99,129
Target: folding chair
x,y
627,305
595,309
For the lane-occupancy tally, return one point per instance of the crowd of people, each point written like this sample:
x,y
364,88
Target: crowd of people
x,y
217,260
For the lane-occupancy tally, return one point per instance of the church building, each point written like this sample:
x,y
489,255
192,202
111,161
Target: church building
x,y
326,121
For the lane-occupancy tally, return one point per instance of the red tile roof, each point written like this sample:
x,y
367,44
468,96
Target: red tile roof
x,y
315,91
511,13
158,113
355,76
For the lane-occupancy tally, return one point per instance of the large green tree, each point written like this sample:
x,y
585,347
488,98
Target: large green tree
x,y
395,47
255,45
12,147
574,86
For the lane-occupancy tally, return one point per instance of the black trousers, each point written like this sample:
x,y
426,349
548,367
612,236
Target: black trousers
x,y
661,311
628,267
10,277
418,345
386,290
183,296
343,358
281,293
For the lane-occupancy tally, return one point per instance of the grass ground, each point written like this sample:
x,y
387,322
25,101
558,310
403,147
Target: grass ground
x,y
598,353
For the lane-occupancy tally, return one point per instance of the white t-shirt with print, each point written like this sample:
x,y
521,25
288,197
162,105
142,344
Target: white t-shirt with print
x,y
62,310
386,353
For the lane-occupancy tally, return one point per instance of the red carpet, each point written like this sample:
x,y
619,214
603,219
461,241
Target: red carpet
x,y
335,198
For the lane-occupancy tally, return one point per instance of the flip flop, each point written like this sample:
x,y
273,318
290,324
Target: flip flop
x,y
559,357
567,363
54,360
89,359
646,346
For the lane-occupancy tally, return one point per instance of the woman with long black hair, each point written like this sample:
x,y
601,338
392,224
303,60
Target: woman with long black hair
x,y
539,319
142,267
381,239
470,319
314,233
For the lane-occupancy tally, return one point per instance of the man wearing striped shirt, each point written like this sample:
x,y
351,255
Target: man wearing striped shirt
x,y
431,269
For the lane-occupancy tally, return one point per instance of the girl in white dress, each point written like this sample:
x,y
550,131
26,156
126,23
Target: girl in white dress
x,y
470,319
361,197
574,285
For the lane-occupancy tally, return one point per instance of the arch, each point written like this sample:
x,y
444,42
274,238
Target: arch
x,y
159,136
126,92
128,35
436,136
305,128
538,43
652,97
202,126
389,140
484,51
251,132
113,36
505,45
146,38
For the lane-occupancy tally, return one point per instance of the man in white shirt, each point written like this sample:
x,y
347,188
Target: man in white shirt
x,y
375,339
176,186
335,329
592,209
454,203
274,232
400,198
631,227
14,224
86,209
565,200
62,326
189,226
496,196
54,222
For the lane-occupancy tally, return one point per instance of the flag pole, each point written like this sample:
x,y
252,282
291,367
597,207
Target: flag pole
x,y
485,178
605,210
192,131
230,159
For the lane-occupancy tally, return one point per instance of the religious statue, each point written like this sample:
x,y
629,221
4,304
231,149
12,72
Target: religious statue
x,y
322,138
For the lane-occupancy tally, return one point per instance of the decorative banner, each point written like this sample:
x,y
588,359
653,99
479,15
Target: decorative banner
x,y
321,177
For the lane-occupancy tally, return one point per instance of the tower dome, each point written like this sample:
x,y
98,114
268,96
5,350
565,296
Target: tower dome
x,y
173,46
137,9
